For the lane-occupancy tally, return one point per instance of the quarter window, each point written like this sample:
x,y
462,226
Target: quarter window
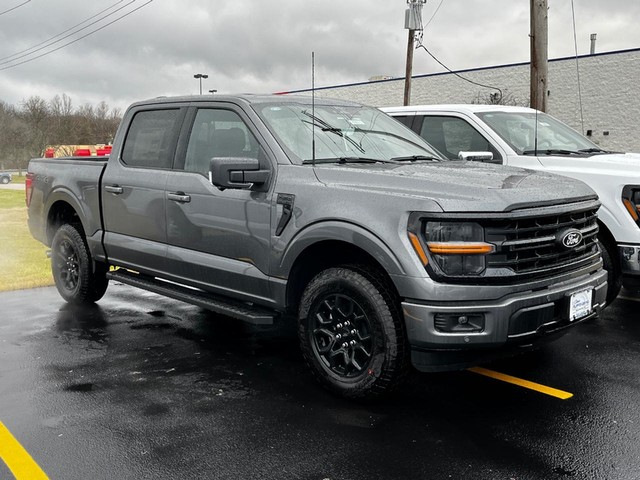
x,y
150,140
406,120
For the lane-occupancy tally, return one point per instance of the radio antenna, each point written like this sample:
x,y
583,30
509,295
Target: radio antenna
x,y
313,108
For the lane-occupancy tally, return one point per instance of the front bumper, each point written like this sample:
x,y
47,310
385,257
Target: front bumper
x,y
630,265
522,318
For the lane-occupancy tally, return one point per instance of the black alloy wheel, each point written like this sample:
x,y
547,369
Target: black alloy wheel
x,y
67,265
342,337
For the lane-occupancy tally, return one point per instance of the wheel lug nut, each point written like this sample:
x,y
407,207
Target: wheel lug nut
x,y
345,345
347,323
352,342
339,325
354,331
338,336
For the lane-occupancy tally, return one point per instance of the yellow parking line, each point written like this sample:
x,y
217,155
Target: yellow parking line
x,y
522,383
17,458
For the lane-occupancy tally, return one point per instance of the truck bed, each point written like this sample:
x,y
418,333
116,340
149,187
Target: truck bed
x,y
65,179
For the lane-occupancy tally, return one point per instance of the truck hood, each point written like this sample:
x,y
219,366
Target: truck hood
x,y
627,164
459,186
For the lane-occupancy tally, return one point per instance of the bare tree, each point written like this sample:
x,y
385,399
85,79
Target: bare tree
x,y
37,123
506,98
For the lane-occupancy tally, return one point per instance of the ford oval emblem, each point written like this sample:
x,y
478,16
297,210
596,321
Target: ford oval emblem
x,y
570,238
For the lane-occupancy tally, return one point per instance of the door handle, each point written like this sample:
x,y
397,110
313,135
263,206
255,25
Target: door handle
x,y
116,189
179,197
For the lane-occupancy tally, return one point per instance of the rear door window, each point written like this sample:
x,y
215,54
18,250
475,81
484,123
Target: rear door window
x,y
151,139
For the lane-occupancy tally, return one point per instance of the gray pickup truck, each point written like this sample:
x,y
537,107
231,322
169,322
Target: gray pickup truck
x,y
332,215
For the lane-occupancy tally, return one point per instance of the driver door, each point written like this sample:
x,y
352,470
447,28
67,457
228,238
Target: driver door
x,y
218,240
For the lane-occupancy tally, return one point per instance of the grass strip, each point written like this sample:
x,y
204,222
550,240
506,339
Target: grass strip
x,y
23,259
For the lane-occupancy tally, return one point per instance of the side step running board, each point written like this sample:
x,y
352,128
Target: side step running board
x,y
231,308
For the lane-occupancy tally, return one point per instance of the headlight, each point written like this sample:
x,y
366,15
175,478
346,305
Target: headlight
x,y
455,248
631,201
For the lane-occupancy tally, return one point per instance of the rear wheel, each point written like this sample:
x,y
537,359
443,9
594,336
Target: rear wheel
x,y
73,270
5,180
611,265
352,333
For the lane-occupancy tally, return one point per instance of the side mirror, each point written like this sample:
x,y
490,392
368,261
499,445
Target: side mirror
x,y
230,172
476,156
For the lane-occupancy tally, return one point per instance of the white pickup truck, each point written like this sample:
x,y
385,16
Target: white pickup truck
x,y
522,137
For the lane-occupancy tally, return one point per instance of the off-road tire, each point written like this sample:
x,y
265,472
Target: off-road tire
x,y
371,356
76,279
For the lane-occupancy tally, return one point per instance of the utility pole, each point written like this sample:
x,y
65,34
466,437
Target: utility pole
x,y
539,59
409,69
412,22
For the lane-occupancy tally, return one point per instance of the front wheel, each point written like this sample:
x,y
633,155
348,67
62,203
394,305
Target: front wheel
x,y
352,333
72,267
5,180
611,265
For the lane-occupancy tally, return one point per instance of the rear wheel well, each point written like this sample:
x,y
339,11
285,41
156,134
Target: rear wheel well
x,y
59,214
327,254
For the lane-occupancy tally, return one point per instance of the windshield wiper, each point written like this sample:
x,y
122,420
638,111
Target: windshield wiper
x,y
594,150
414,158
388,134
551,151
344,160
327,127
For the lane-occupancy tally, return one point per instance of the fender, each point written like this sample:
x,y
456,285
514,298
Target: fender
x,y
339,231
90,223
612,221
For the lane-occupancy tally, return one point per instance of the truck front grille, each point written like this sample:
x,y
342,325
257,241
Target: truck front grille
x,y
531,245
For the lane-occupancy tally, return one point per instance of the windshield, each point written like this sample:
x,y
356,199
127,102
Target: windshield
x,y
518,129
342,133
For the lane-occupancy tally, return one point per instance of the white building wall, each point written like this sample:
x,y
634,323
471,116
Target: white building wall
x,y
610,89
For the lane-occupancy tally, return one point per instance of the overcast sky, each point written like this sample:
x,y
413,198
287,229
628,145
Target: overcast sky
x,y
265,46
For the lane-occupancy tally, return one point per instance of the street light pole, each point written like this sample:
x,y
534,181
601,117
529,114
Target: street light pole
x,y
200,76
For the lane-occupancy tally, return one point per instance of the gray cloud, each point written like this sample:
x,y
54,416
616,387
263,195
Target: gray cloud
x,y
265,46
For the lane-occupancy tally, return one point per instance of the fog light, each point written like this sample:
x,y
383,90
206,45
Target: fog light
x,y
459,322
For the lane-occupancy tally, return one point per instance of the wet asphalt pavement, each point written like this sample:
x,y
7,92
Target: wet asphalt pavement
x,y
144,387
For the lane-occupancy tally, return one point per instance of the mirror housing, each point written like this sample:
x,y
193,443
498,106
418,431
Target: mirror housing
x,y
476,156
236,172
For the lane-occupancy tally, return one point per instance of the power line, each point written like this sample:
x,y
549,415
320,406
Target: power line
x,y
13,8
420,45
575,44
77,39
61,33
18,55
434,14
